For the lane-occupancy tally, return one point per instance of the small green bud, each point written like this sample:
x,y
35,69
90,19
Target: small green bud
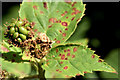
x,y
27,24
15,35
16,29
23,30
23,37
19,23
12,30
19,40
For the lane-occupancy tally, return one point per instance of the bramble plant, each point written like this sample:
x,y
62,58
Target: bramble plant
x,y
41,37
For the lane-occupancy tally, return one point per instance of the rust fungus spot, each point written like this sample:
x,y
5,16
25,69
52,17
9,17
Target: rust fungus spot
x,y
35,30
74,9
56,50
68,50
66,58
78,74
100,60
14,55
85,72
66,17
49,26
62,38
68,54
63,14
60,31
93,56
60,54
57,41
57,69
74,49
64,34
66,29
35,7
63,57
45,5
52,20
66,67
64,24
60,71
65,51
73,56
41,12
72,18
74,4
61,62
33,24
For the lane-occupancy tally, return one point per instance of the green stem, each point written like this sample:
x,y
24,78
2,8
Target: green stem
x,y
40,70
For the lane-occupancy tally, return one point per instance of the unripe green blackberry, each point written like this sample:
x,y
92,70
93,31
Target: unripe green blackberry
x,y
23,37
23,30
19,40
15,35
20,23
12,30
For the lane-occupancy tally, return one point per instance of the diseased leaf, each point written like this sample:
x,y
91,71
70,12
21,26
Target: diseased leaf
x,y
18,69
57,19
74,60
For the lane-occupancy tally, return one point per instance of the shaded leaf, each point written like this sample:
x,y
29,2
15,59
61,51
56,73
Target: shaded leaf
x,y
18,69
74,60
57,19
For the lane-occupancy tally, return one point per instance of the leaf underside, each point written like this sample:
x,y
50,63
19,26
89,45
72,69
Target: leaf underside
x,y
57,19
74,60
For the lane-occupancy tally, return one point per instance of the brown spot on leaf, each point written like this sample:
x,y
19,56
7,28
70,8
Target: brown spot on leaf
x,y
66,67
66,17
49,26
57,41
56,50
93,56
100,60
68,50
63,57
74,4
64,34
61,62
64,24
35,7
73,56
74,49
57,69
60,31
72,18
65,50
68,54
41,12
60,54
45,5
66,29
35,30
60,71
62,38
52,20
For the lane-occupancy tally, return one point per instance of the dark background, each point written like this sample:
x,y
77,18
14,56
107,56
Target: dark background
x,y
105,25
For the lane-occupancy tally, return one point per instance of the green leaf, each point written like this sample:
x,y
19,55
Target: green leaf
x,y
73,60
112,59
18,69
57,19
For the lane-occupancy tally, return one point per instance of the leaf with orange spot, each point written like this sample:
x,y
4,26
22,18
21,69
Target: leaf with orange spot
x,y
73,60
57,19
